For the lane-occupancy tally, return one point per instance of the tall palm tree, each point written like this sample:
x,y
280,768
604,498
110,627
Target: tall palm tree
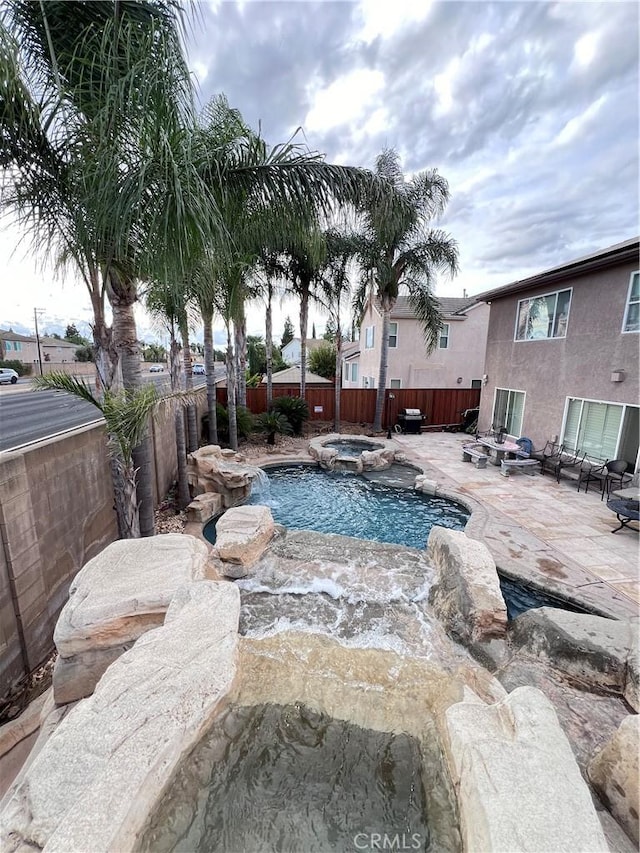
x,y
400,252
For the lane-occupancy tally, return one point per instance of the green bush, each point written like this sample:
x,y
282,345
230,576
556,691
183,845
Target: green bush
x,y
20,368
294,409
271,423
244,420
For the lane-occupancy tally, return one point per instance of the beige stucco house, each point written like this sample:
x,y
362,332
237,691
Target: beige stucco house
x,y
457,361
24,348
563,354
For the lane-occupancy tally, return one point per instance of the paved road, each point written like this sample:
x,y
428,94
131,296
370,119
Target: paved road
x,y
27,415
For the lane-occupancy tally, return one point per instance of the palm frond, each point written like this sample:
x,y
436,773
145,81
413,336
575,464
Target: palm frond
x,y
58,381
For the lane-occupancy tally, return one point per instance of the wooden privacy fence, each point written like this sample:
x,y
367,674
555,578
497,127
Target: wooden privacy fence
x,y
358,405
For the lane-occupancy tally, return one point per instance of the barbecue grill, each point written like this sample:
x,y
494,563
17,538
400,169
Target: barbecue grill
x,y
410,420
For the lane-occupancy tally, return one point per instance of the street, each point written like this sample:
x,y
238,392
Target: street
x,y
27,415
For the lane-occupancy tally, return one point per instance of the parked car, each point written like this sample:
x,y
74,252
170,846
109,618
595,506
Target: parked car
x,y
156,368
8,375
198,370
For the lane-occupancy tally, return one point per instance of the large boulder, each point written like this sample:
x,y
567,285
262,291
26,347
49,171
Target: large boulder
x,y
242,535
466,596
97,776
596,651
224,472
614,773
115,598
518,783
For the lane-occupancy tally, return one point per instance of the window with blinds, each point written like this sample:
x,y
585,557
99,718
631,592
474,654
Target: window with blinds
x,y
592,427
508,410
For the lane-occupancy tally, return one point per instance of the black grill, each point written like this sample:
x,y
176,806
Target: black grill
x,y
410,420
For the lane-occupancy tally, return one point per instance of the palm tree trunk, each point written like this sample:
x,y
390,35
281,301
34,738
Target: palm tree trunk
x,y
231,394
384,360
304,316
338,379
125,488
268,345
122,296
105,355
240,330
192,414
209,366
184,496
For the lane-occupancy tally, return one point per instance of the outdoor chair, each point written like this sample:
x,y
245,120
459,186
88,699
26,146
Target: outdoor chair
x,y
604,474
564,461
551,450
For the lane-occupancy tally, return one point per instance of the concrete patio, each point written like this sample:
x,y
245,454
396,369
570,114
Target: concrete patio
x,y
537,529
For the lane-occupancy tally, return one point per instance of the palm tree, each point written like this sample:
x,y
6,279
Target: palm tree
x,y
335,292
398,251
126,414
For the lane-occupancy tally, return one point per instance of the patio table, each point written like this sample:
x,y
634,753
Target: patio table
x,y
497,452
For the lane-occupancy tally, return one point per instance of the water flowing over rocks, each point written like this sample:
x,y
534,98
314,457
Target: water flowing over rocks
x,y
599,652
519,786
212,469
384,454
466,595
92,785
614,773
115,598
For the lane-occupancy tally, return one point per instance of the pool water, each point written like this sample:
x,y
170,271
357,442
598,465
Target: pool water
x,y
308,498
352,447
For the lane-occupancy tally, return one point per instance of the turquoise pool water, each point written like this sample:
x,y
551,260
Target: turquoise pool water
x,y
307,498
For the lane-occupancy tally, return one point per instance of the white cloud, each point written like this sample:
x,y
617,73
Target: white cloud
x,y
382,18
585,50
347,99
578,126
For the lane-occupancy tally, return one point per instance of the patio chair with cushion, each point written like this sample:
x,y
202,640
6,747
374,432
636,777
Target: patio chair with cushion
x,y
550,452
564,461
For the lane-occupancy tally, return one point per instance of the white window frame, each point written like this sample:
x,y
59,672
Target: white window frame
x,y
354,371
524,403
369,337
628,304
555,293
393,335
446,335
397,386
583,400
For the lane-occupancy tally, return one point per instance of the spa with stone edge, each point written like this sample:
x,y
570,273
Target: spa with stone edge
x,y
293,690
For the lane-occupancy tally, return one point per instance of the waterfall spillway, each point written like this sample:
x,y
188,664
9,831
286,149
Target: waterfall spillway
x,y
260,487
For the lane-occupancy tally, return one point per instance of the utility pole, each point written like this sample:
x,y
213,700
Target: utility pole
x,y
35,317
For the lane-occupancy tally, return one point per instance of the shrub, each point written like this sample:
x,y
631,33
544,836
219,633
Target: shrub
x,y
323,361
271,423
244,420
20,368
294,409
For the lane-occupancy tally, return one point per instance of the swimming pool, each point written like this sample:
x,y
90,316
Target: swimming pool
x,y
305,497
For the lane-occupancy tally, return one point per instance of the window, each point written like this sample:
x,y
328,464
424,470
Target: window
x,y
367,382
8,346
592,427
543,317
369,334
632,311
345,370
17,345
395,383
393,335
354,372
476,383
443,342
508,409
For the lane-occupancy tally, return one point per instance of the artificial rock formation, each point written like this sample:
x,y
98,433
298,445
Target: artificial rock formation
x,y
224,472
204,507
91,786
614,773
242,535
517,781
598,652
385,453
466,596
115,598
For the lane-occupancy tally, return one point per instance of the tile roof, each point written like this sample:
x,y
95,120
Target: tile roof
x,y
291,376
449,305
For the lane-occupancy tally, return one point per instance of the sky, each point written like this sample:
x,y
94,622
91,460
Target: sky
x,y
528,109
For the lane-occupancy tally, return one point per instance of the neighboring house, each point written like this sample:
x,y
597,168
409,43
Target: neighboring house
x,y
291,351
457,361
562,355
291,376
24,348
351,365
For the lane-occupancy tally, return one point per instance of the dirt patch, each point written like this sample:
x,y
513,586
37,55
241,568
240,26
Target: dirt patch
x,y
26,690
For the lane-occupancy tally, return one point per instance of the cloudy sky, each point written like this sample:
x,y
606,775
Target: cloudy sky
x,y
529,109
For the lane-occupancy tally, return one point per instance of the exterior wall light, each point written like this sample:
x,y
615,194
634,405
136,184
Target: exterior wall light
x,y
617,376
